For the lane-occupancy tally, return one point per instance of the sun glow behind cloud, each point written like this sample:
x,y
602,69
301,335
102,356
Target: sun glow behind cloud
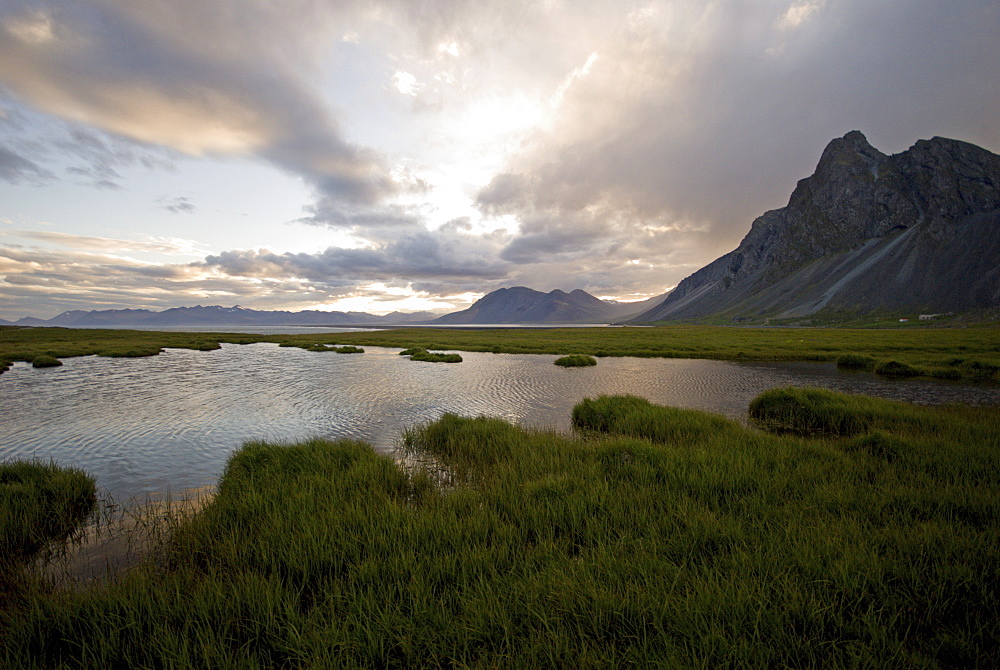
x,y
315,153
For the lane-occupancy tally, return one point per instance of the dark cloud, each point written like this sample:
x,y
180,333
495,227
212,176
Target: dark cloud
x,y
417,256
702,132
176,204
199,77
17,169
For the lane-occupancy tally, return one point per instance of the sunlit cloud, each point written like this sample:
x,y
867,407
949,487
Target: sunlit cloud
x,y
441,149
799,13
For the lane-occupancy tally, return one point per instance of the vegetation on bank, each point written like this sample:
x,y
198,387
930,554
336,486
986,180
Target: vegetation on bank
x,y
945,353
576,361
659,536
40,504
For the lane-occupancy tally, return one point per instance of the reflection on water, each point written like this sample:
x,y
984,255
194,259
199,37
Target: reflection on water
x,y
169,422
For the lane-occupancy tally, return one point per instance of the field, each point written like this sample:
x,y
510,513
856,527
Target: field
x,y
843,532
947,353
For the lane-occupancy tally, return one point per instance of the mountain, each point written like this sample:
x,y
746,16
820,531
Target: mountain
x,y
524,305
221,316
867,232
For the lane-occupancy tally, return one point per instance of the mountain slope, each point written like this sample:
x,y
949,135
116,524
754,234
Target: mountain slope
x,y
867,232
524,305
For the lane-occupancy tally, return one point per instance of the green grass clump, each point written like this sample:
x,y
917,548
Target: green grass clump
x,y
44,361
334,349
576,361
660,538
421,354
809,411
855,362
135,351
896,369
637,417
40,503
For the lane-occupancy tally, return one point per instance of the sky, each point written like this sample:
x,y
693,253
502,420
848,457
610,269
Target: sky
x,y
414,155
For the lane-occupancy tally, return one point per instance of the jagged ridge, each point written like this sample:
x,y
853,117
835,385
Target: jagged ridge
x,y
919,230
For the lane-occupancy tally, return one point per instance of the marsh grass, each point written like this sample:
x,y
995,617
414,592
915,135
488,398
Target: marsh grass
x,y
856,362
810,411
41,506
576,361
895,368
40,503
334,349
659,537
45,361
421,354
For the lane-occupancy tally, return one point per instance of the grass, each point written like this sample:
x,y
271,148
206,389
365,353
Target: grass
x,y
657,537
421,354
896,369
576,361
335,349
946,353
43,361
855,362
40,504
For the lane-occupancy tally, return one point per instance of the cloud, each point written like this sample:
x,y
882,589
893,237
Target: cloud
x,y
43,283
693,119
157,245
176,204
89,156
202,78
417,256
16,169
623,145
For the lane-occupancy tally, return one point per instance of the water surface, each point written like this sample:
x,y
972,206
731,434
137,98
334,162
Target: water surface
x,y
168,422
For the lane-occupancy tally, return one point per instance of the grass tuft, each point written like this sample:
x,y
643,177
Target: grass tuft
x,y
896,369
40,503
808,411
421,354
576,361
855,362
45,361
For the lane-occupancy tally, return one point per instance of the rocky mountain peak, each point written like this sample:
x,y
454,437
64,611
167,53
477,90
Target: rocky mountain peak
x,y
931,214
851,153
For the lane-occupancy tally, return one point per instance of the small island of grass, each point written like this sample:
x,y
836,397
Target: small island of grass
x,y
421,354
576,361
335,349
45,361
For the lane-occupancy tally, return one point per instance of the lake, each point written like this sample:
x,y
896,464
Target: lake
x,y
147,426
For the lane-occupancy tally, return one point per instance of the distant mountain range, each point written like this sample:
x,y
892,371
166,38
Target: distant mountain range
x,y
916,231
504,306
220,316
525,305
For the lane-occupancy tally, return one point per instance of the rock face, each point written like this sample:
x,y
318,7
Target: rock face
x,y
867,232
525,305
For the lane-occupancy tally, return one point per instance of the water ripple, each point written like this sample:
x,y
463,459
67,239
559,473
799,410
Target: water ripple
x,y
171,421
